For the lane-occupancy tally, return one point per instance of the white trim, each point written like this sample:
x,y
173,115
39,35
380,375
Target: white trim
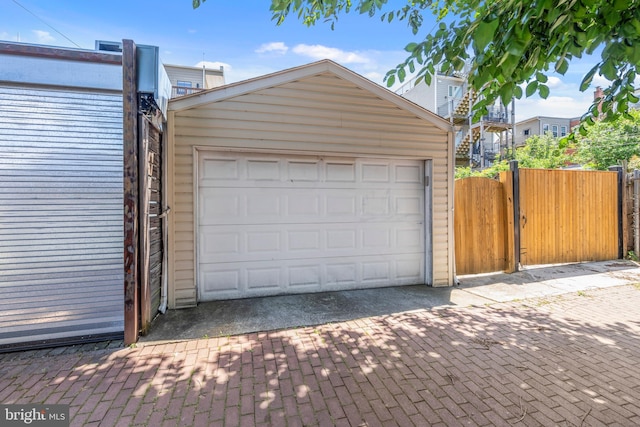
x,y
428,222
196,218
169,197
450,212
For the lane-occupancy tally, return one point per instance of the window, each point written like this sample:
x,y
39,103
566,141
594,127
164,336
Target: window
x,y
563,131
545,129
554,130
526,132
454,91
182,84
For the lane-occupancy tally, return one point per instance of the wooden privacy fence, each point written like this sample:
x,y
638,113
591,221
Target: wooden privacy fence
x,y
536,216
479,226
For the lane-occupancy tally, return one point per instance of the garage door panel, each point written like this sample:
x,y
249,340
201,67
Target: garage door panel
x,y
291,206
271,225
256,243
260,278
228,170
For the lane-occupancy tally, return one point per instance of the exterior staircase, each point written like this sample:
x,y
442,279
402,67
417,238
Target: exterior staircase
x,y
457,109
467,138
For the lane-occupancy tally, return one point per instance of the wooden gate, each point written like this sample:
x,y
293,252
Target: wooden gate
x,y
151,242
568,216
563,216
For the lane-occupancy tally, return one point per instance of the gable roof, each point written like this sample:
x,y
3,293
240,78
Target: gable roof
x,y
292,74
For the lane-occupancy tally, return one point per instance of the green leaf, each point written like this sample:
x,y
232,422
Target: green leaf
x,y
402,74
391,80
588,78
531,88
506,92
484,34
365,6
517,92
544,91
411,47
542,78
583,130
562,65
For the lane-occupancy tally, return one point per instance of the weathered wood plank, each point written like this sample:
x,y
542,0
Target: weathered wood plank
x,y
130,182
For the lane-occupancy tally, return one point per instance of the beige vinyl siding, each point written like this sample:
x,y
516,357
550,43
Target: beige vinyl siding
x,y
184,75
214,78
315,115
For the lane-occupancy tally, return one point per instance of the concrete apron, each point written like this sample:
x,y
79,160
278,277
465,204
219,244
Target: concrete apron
x,y
233,317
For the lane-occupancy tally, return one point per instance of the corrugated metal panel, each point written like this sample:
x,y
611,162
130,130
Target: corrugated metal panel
x,y
319,114
61,267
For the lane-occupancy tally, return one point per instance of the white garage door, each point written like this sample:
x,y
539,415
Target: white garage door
x,y
271,225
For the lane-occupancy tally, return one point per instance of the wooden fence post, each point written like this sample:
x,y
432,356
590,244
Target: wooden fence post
x,y
506,179
620,172
636,212
513,165
131,230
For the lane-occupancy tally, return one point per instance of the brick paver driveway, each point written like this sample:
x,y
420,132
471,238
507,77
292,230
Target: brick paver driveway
x,y
572,360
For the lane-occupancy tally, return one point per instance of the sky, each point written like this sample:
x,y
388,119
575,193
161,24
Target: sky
x,y
242,37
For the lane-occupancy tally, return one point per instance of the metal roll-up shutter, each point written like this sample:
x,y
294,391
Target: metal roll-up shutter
x,y
61,215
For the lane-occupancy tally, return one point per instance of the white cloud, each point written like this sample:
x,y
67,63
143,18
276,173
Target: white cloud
x,y
43,36
192,31
554,82
213,65
374,76
324,52
274,47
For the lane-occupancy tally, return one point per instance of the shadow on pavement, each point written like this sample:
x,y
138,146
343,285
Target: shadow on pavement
x,y
233,317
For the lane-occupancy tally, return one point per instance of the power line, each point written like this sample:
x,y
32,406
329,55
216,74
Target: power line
x,y
45,23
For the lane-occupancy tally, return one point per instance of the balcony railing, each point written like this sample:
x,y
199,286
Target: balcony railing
x,y
497,114
453,100
177,91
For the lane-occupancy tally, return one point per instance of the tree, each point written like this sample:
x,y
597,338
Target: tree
x,y
510,44
609,143
544,152
539,152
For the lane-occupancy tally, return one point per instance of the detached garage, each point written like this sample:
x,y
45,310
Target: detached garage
x,y
312,179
